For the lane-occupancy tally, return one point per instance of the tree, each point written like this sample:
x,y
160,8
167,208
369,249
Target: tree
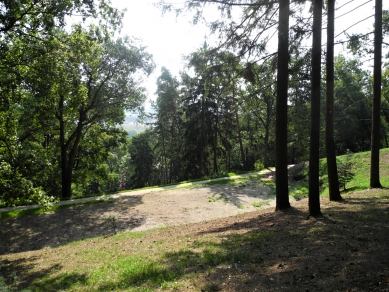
x,y
376,111
142,160
27,29
199,124
314,185
260,100
345,170
351,106
167,127
333,181
299,94
282,193
84,82
27,17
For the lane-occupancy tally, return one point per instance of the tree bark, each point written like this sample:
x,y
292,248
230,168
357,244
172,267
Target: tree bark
x,y
68,149
314,186
215,166
375,133
238,130
282,193
332,169
66,182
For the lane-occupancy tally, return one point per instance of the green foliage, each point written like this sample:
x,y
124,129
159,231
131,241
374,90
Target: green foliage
x,y
258,165
65,106
12,285
111,221
352,106
261,204
16,190
4,287
345,169
142,160
19,213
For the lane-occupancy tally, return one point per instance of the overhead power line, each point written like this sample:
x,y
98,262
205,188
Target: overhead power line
x,y
354,25
352,10
346,4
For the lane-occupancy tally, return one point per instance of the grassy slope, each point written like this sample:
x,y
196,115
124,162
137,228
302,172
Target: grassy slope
x,y
266,250
346,251
361,180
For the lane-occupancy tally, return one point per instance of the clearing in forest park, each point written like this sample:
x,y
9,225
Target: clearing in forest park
x,y
206,238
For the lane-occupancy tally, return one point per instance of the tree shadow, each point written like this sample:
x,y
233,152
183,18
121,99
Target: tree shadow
x,y
25,267
274,252
344,250
55,228
237,194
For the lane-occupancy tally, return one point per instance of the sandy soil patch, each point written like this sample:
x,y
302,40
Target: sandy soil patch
x,y
133,212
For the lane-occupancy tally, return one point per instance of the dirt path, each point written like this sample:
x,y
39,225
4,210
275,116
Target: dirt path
x,y
133,211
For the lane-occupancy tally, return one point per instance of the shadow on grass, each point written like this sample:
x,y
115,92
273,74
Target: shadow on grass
x,y
235,191
56,283
55,228
346,250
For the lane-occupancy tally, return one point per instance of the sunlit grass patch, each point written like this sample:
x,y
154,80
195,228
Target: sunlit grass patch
x,y
261,204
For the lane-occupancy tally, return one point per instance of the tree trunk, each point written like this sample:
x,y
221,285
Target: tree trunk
x,y
314,186
66,183
215,166
266,148
68,150
240,140
267,133
238,129
282,193
375,133
332,169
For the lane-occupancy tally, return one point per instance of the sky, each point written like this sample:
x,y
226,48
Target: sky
x,y
168,38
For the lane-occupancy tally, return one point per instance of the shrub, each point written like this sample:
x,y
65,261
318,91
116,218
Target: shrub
x,y
345,170
258,165
16,190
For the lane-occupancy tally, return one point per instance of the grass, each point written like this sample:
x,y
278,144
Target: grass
x,y
221,197
271,250
18,213
261,204
361,168
361,180
297,190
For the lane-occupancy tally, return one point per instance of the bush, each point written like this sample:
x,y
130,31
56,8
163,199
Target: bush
x,y
16,190
345,170
258,165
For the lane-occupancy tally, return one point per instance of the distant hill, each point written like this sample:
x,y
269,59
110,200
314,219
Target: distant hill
x,y
132,125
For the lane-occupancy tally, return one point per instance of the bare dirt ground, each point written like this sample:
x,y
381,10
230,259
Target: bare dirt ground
x,y
133,212
345,250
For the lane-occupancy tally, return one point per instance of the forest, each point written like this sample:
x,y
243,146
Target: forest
x,y
64,92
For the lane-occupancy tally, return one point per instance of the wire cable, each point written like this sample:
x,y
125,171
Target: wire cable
x,y
354,25
352,9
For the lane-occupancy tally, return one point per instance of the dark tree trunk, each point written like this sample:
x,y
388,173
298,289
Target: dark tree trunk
x,y
375,133
266,148
68,149
267,133
215,166
282,193
314,186
332,169
240,140
66,183
239,134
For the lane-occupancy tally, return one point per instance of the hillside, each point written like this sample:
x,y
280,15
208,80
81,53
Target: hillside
x,y
345,250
